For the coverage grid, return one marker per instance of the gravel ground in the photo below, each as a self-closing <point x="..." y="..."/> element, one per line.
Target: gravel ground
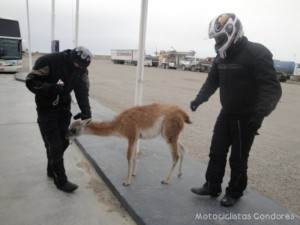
<point x="274" y="168"/>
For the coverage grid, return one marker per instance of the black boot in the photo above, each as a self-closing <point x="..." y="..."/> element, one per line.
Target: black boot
<point x="204" y="191"/>
<point x="67" y="187"/>
<point x="228" y="201"/>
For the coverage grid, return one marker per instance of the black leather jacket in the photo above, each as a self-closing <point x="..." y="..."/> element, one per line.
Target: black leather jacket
<point x="48" y="69"/>
<point x="246" y="78"/>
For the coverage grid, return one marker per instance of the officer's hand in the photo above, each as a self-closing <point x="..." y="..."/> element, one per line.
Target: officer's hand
<point x="194" y="105"/>
<point x="255" y="123"/>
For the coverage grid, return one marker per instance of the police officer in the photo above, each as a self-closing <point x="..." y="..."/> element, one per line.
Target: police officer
<point x="52" y="79"/>
<point x="249" y="91"/>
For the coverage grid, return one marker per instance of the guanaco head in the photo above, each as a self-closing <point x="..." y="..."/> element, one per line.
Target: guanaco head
<point x="77" y="128"/>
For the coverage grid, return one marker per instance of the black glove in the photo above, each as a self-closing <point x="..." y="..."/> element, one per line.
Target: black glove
<point x="81" y="116"/>
<point x="56" y="89"/>
<point x="255" y="123"/>
<point x="195" y="104"/>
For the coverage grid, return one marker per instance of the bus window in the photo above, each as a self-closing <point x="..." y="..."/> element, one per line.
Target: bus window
<point x="10" y="49"/>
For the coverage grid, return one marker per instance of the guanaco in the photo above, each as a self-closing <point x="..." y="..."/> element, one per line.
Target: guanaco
<point x="140" y="122"/>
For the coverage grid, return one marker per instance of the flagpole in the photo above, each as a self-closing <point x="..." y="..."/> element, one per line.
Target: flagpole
<point x="141" y="57"/>
<point x="29" y="40"/>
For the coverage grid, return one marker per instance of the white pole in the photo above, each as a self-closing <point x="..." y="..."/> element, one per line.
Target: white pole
<point x="53" y="21"/>
<point x="141" y="58"/>
<point x="76" y="24"/>
<point x="29" y="40"/>
<point x="141" y="54"/>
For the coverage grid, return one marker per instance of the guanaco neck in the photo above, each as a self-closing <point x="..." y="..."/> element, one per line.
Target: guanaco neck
<point x="104" y="128"/>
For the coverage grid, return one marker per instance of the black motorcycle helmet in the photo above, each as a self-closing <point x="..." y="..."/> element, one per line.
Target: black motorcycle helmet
<point x="227" y="31"/>
<point x="81" y="56"/>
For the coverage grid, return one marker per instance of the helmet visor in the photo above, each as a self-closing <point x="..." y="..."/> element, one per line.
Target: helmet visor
<point x="220" y="40"/>
<point x="77" y="65"/>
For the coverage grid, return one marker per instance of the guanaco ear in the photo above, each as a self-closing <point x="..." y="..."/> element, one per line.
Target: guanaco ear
<point x="86" y="122"/>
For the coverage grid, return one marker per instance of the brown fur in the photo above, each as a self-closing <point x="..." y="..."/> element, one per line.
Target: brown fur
<point x="144" y="122"/>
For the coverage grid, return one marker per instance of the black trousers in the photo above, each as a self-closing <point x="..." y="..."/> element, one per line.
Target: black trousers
<point x="53" y="127"/>
<point x="230" y="131"/>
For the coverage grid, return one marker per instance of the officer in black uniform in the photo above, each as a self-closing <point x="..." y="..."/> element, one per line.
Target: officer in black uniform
<point x="249" y="91"/>
<point x="52" y="79"/>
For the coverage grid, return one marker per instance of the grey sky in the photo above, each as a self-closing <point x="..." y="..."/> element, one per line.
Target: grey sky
<point x="181" y="24"/>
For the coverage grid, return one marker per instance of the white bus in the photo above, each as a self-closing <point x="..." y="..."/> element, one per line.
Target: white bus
<point x="10" y="46"/>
